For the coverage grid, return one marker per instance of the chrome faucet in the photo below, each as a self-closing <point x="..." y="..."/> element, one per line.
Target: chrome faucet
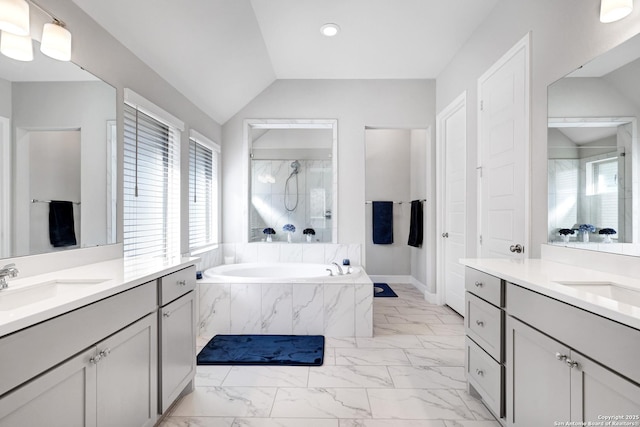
<point x="340" y="270"/>
<point x="8" y="270"/>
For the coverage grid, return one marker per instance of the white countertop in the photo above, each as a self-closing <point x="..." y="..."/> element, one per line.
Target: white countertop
<point x="115" y="276"/>
<point x="542" y="276"/>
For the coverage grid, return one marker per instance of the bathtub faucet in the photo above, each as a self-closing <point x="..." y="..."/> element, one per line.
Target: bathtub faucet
<point x="340" y="270"/>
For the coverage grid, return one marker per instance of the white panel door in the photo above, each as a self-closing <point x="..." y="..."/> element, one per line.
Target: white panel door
<point x="503" y="128"/>
<point x="452" y="141"/>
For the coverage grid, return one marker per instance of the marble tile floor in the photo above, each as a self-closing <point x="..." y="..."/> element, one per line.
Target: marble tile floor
<point x="410" y="374"/>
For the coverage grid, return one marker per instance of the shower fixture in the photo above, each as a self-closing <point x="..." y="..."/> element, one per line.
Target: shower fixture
<point x="295" y="165"/>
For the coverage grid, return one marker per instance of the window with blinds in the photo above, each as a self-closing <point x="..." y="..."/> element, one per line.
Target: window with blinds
<point x="151" y="186"/>
<point x="203" y="195"/>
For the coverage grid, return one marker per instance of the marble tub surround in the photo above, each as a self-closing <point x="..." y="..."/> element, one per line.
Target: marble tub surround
<point x="388" y="388"/>
<point x="107" y="278"/>
<point x="338" y="306"/>
<point x="544" y="276"/>
<point x="324" y="253"/>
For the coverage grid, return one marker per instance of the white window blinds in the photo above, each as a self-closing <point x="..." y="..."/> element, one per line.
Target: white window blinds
<point x="151" y="186"/>
<point x="203" y="193"/>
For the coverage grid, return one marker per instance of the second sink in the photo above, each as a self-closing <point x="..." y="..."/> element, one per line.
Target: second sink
<point x="608" y="290"/>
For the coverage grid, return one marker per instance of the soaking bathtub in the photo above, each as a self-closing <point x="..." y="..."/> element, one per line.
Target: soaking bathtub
<point x="285" y="298"/>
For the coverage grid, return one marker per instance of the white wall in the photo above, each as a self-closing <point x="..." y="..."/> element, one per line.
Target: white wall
<point x="423" y="187"/>
<point x="564" y="35"/>
<point x="356" y="104"/>
<point x="388" y="178"/>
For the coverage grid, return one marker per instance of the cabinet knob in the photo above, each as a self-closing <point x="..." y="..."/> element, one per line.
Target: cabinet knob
<point x="95" y="359"/>
<point x="104" y="353"/>
<point x="572" y="364"/>
<point x="480" y="323"/>
<point x="480" y="372"/>
<point x="445" y="235"/>
<point x="181" y="283"/>
<point x="516" y="248"/>
<point x="561" y="356"/>
<point x="166" y="314"/>
<point x="479" y="284"/>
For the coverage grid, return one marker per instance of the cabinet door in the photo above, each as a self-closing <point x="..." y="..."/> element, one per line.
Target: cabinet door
<point x="597" y="391"/>
<point x="177" y="348"/>
<point x="63" y="397"/>
<point x="538" y="379"/>
<point x="127" y="376"/>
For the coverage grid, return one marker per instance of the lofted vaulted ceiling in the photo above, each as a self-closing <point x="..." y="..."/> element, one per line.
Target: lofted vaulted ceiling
<point x="222" y="53"/>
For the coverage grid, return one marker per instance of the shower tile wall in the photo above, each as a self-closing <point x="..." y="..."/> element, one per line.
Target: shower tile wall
<point x="315" y="181"/>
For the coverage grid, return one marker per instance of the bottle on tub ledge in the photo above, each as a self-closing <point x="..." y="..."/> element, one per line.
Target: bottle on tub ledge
<point x="309" y="233"/>
<point x="269" y="232"/>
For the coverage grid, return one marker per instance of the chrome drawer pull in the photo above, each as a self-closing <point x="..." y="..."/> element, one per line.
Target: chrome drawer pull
<point x="480" y="323"/>
<point x="104" y="353"/>
<point x="561" y="357"/>
<point x="480" y="372"/>
<point x="181" y="283"/>
<point x="479" y="284"/>
<point x="95" y="359"/>
<point x="572" y="364"/>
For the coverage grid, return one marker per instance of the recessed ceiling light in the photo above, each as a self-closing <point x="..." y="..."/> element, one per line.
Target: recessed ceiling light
<point x="329" y="30"/>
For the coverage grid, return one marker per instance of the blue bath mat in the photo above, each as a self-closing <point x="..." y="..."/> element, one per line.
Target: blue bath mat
<point x="282" y="350"/>
<point x="385" y="292"/>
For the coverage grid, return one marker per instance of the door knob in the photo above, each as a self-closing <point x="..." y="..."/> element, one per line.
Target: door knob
<point x="445" y="235"/>
<point x="516" y="248"/>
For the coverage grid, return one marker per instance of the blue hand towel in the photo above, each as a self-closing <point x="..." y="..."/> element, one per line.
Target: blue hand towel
<point x="382" y="223"/>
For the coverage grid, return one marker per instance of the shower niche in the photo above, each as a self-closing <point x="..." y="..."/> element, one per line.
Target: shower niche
<point x="291" y="180"/>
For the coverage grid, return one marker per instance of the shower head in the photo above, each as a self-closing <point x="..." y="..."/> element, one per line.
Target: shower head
<point x="295" y="165"/>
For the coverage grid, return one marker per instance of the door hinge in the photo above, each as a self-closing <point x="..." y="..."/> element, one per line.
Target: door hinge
<point x="479" y="169"/>
<point x="481" y="239"/>
<point x="481" y="105"/>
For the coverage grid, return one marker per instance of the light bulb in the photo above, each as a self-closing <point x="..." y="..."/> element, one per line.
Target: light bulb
<point x="14" y="17"/>
<point x="16" y="47"/>
<point x="614" y="10"/>
<point x="56" y="42"/>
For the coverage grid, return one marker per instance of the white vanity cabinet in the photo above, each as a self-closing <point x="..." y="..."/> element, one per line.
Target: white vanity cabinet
<point x="119" y="361"/>
<point x="111" y="384"/>
<point x="177" y="323"/>
<point x="567" y="364"/>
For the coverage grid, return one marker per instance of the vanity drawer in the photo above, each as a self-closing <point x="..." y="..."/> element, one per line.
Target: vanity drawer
<point x="176" y="284"/>
<point x="486" y="376"/>
<point x="484" y="324"/>
<point x="486" y="286"/>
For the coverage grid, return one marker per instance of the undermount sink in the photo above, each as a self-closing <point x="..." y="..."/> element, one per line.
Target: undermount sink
<point x="11" y="299"/>
<point x="608" y="290"/>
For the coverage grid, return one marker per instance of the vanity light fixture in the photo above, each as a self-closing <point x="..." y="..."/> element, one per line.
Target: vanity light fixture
<point x="614" y="10"/>
<point x="16" y="47"/>
<point x="16" y="42"/>
<point x="14" y="17"/>
<point x="329" y="30"/>
<point x="56" y="41"/>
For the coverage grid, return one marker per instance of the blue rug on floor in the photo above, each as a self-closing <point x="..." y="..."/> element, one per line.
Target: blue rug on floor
<point x="385" y="292"/>
<point x="282" y="350"/>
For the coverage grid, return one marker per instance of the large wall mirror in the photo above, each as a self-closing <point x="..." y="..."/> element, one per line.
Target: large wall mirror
<point x="593" y="152"/>
<point x="291" y="180"/>
<point x="58" y="136"/>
